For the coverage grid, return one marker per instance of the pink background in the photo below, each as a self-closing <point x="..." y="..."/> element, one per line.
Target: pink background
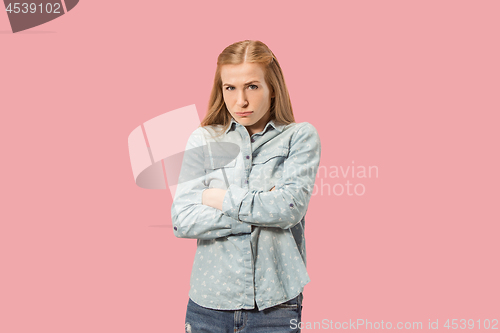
<point x="409" y="87"/>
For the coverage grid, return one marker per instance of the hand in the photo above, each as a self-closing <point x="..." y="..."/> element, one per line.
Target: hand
<point x="272" y="189"/>
<point x="213" y="197"/>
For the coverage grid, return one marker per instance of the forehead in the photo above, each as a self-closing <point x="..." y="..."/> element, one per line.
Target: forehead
<point x="242" y="73"/>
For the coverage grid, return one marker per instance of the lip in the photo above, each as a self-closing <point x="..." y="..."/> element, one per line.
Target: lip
<point x="244" y="113"/>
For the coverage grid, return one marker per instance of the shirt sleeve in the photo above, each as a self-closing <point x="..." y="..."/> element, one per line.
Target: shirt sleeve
<point x="190" y="218"/>
<point x="286" y="205"/>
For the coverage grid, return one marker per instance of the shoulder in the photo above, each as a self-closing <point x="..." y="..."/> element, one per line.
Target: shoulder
<point x="212" y="132"/>
<point x="201" y="135"/>
<point x="197" y="137"/>
<point x="305" y="137"/>
<point x="206" y="131"/>
<point x="302" y="129"/>
<point x="307" y="127"/>
<point x="196" y="133"/>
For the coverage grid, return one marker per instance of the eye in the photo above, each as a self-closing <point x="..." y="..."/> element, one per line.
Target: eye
<point x="229" y="88"/>
<point x="252" y="87"/>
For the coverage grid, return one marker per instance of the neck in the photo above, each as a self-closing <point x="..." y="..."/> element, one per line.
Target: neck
<point x="259" y="126"/>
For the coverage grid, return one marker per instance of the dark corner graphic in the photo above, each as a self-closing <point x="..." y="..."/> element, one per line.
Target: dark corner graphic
<point x="26" y="15"/>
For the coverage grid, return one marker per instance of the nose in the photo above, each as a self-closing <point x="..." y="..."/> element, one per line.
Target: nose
<point x="242" y="100"/>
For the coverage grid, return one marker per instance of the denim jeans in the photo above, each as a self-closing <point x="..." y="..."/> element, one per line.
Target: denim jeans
<point x="281" y="318"/>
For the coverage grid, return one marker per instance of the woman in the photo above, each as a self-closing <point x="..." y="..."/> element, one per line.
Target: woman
<point x="247" y="176"/>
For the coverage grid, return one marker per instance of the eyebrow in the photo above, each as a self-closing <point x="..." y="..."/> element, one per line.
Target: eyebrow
<point x="246" y="84"/>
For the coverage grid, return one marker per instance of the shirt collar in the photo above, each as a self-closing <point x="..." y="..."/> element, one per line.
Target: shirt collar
<point x="271" y="122"/>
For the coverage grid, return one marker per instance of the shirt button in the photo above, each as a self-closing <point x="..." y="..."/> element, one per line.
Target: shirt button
<point x="175" y="228"/>
<point x="246" y="181"/>
<point x="248" y="157"/>
<point x="253" y="140"/>
<point x="291" y="205"/>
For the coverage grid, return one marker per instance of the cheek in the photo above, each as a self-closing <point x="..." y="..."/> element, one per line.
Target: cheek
<point x="265" y="101"/>
<point x="262" y="98"/>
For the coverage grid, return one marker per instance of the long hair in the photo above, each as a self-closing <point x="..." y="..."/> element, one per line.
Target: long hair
<point x="252" y="51"/>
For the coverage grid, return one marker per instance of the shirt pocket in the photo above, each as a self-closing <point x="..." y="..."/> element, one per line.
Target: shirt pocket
<point x="275" y="155"/>
<point x="220" y="168"/>
<point x="220" y="154"/>
<point x="267" y="168"/>
<point x="211" y="165"/>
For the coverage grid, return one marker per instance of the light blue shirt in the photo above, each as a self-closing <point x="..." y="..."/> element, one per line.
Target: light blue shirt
<point x="253" y="251"/>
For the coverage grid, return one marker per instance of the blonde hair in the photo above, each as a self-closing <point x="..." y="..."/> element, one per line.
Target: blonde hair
<point x="252" y="51"/>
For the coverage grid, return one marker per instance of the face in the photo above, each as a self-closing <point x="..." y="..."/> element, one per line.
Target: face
<point x="246" y="95"/>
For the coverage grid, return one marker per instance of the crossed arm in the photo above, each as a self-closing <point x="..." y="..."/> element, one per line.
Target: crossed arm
<point x="204" y="213"/>
<point x="214" y="197"/>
